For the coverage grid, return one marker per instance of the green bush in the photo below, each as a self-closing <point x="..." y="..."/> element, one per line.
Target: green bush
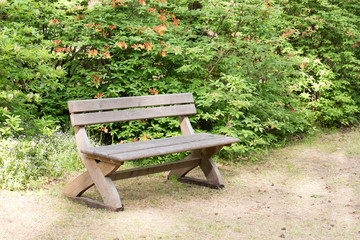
<point x="260" y="70"/>
<point x="26" y="163"/>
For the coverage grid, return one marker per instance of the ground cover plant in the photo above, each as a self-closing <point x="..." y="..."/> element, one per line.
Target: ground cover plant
<point x="263" y="71"/>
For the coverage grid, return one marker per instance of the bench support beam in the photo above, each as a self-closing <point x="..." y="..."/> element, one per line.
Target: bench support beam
<point x="211" y="172"/>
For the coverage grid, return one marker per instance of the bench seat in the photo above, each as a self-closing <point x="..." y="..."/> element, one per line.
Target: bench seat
<point x="157" y="147"/>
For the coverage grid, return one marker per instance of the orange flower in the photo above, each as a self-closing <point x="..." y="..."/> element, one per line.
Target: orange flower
<point x="105" y="34"/>
<point x="95" y="79"/>
<point x="100" y="95"/>
<point x="111" y="27"/>
<point x="162" y="53"/>
<point x="137" y="46"/>
<point x="53" y="21"/>
<point x="56" y="42"/>
<point x="175" y="22"/>
<point x="160" y="29"/>
<point x="142" y="2"/>
<point x="59" y="49"/>
<point x="106" y="55"/>
<point x="148" y="46"/>
<point x="303" y="65"/>
<point x="92" y="53"/>
<point x="162" y="18"/>
<point x="153" y="91"/>
<point x="121" y="45"/>
<point x="144" y="138"/>
<point x="104" y="129"/>
<point x="152" y="10"/>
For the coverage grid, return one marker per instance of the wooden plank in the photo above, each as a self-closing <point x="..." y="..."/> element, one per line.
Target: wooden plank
<point x="104" y="184"/>
<point x="83" y="182"/>
<point x="185" y="126"/>
<point x="181" y="172"/>
<point x="209" y="168"/>
<point x="210" y="141"/>
<point x="131" y="114"/>
<point x="142" y="145"/>
<point x="135" y="172"/>
<point x="128" y="102"/>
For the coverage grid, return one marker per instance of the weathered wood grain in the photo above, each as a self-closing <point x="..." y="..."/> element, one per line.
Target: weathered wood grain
<point x="160" y="147"/>
<point x="131" y="114"/>
<point x="83" y="182"/>
<point x="130" y="173"/>
<point x="128" y="102"/>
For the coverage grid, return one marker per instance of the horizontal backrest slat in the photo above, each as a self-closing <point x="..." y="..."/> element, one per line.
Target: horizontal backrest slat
<point x="131" y="114"/>
<point x="92" y="105"/>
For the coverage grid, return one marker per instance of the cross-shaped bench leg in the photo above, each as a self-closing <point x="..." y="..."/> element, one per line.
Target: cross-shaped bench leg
<point x="211" y="172"/>
<point x="96" y="174"/>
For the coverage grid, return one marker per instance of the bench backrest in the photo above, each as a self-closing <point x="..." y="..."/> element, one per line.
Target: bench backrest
<point x="107" y="110"/>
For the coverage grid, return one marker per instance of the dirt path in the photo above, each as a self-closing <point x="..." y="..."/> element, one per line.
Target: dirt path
<point x="307" y="191"/>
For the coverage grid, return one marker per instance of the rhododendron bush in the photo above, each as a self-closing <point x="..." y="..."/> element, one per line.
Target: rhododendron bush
<point x="260" y="70"/>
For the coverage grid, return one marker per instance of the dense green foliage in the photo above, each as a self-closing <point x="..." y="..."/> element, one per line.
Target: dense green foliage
<point x="260" y="70"/>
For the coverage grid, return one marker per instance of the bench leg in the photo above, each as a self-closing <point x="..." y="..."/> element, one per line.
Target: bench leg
<point x="96" y="174"/>
<point x="83" y="182"/>
<point x="211" y="172"/>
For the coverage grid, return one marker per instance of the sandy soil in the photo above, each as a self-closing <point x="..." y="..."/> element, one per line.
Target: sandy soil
<point x="309" y="190"/>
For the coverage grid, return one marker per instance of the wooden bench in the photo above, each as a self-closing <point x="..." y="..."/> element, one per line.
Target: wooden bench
<point x="102" y="162"/>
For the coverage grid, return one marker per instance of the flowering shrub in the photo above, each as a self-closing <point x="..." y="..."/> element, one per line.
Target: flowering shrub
<point x="260" y="70"/>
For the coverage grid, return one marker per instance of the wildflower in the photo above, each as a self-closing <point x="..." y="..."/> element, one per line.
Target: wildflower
<point x="151" y="10"/>
<point x="111" y="27"/>
<point x="16" y="48"/>
<point x="29" y="96"/>
<point x="36" y="97"/>
<point x="10" y="96"/>
<point x="59" y="49"/>
<point x="2" y="2"/>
